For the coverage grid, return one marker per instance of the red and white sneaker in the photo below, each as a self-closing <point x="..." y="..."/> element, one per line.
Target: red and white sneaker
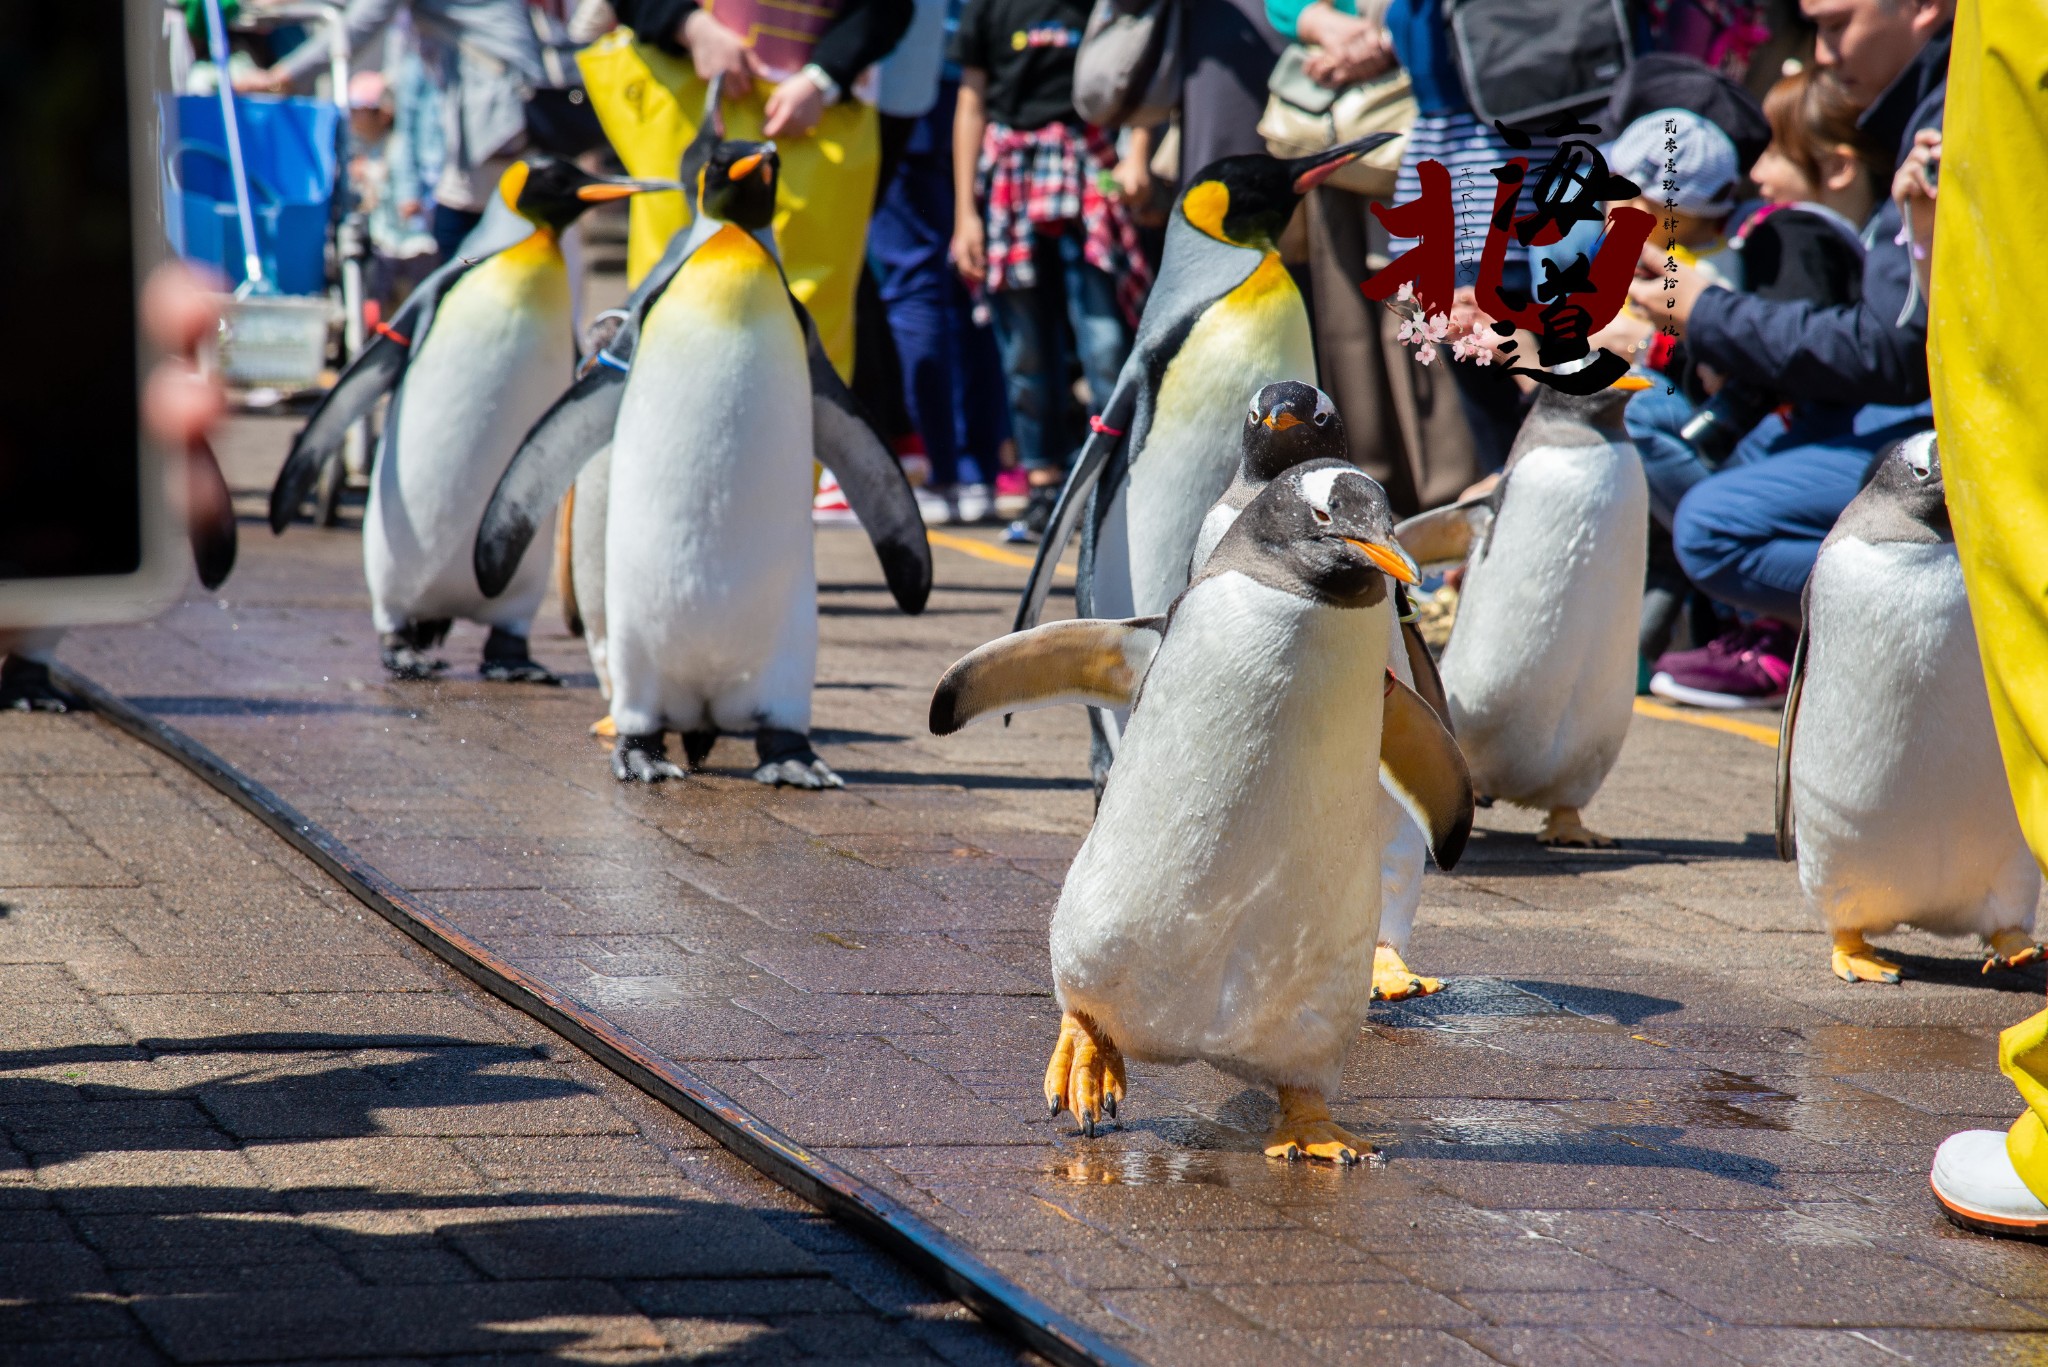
<point x="829" y="506"/>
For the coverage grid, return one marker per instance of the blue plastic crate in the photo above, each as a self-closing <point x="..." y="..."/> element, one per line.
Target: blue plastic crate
<point x="288" y="147"/>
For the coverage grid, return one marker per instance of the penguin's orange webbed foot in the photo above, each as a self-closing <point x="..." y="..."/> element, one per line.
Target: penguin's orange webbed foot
<point x="1856" y="962"/>
<point x="604" y="728"/>
<point x="1306" y="1129"/>
<point x="1393" y="980"/>
<point x="2012" y="947"/>
<point x="1086" y="1074"/>
<point x="1564" y="828"/>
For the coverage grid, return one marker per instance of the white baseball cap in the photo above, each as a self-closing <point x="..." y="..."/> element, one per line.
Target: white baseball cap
<point x="1680" y="159"/>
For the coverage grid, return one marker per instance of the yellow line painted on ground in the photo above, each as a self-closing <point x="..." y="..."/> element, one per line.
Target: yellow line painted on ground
<point x="982" y="550"/>
<point x="1748" y="730"/>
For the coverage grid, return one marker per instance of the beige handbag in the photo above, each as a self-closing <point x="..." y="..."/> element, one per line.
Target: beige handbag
<point x="1303" y="117"/>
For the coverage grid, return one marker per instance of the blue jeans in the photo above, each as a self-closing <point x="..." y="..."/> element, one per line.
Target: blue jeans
<point x="1748" y="534"/>
<point x="952" y="377"/>
<point x="1672" y="466"/>
<point x="1031" y="331"/>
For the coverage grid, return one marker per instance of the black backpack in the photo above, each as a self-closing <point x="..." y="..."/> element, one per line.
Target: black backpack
<point x="1522" y="61"/>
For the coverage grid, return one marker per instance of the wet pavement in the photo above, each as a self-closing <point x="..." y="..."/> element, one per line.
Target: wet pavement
<point x="243" y="1121"/>
<point x="1643" y="1123"/>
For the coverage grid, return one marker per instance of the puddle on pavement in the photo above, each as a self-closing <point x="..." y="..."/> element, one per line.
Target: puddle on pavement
<point x="1134" y="1168"/>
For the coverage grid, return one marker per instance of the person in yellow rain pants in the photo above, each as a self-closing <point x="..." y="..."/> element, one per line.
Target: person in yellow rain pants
<point x="790" y="70"/>
<point x="1990" y="388"/>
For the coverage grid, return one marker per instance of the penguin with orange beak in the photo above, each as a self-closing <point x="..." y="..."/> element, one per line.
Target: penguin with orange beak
<point x="1540" y="672"/>
<point x="1223" y="320"/>
<point x="1226" y="904"/>
<point x="470" y="361"/>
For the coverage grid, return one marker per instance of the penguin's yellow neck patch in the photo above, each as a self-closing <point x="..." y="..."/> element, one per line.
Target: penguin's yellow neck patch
<point x="537" y="248"/>
<point x="1205" y="205"/>
<point x="1270" y="278"/>
<point x="512" y="184"/>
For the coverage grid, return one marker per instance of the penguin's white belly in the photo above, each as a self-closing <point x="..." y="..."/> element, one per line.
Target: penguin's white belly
<point x="586" y="558"/>
<point x="710" y="594"/>
<point x="1541" y="667"/>
<point x="1899" y="795"/>
<point x="1225" y="904"/>
<point x="1256" y="334"/>
<point x="497" y="354"/>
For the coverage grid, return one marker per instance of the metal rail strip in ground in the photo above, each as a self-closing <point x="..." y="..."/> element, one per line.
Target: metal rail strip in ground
<point x="886" y="1222"/>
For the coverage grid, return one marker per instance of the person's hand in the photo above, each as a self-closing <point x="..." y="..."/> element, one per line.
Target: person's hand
<point x="180" y="405"/>
<point x="794" y="108"/>
<point x="1627" y="335"/>
<point x="1914" y="189"/>
<point x="1665" y="307"/>
<point x="970" y="249"/>
<point x="1134" y="179"/>
<point x="408" y="210"/>
<point x="1348" y="49"/>
<point x="716" y="50"/>
<point x="266" y="81"/>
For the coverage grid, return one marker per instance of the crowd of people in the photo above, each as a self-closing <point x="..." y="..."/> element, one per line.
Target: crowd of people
<point x="986" y="310"/>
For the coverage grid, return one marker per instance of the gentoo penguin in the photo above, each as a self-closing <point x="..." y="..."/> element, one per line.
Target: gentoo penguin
<point x="1225" y="904"/>
<point x="1540" y="671"/>
<point x="715" y="398"/>
<point x="1223" y="319"/>
<point x="1891" y="791"/>
<point x="1289" y="423"/>
<point x="473" y="358"/>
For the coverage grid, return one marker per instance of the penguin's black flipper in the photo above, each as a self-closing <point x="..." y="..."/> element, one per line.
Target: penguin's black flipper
<point x="375" y="369"/>
<point x="1425" y="771"/>
<point x="873" y="481"/>
<point x="1090" y="661"/>
<point x="1788" y="725"/>
<point x="210" y="516"/>
<point x="1428" y="681"/>
<point x="542" y="469"/>
<point x="1111" y="429"/>
<point x="378" y="367"/>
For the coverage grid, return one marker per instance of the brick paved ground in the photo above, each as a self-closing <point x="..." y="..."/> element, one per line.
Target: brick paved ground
<point x="241" y="1120"/>
<point x="1643" y="1124"/>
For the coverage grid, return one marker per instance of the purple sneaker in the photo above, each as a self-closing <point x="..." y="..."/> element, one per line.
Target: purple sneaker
<point x="1747" y="667"/>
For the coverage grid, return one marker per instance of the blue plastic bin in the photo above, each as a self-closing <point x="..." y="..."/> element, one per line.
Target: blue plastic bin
<point x="288" y="147"/>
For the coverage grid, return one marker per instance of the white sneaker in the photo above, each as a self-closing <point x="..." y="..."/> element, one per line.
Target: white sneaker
<point x="972" y="503"/>
<point x="1975" y="1182"/>
<point x="933" y="506"/>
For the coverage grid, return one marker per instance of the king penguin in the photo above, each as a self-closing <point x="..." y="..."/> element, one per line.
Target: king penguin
<point x="1291" y="423"/>
<point x="1223" y="319"/>
<point x="1225" y="904"/>
<point x="471" y="360"/>
<point x="1892" y="795"/>
<point x="711" y="403"/>
<point x="1540" y="672"/>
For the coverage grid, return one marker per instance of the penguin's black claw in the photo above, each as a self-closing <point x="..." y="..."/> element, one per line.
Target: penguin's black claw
<point x="794" y="773"/>
<point x="787" y="760"/>
<point x="519" y="671"/>
<point x="1109" y="1105"/>
<point x="697" y="748"/>
<point x="25" y="687"/>
<point x="410" y="662"/>
<point x="643" y="759"/>
<point x="507" y="659"/>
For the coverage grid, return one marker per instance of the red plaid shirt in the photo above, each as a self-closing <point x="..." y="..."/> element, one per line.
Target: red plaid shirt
<point x="1048" y="175"/>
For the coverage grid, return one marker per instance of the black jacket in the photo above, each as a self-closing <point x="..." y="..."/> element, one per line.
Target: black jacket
<point x="861" y="34"/>
<point x="1853" y="353"/>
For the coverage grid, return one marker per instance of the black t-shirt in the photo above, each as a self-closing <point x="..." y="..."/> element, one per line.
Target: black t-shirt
<point x="1027" y="49"/>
